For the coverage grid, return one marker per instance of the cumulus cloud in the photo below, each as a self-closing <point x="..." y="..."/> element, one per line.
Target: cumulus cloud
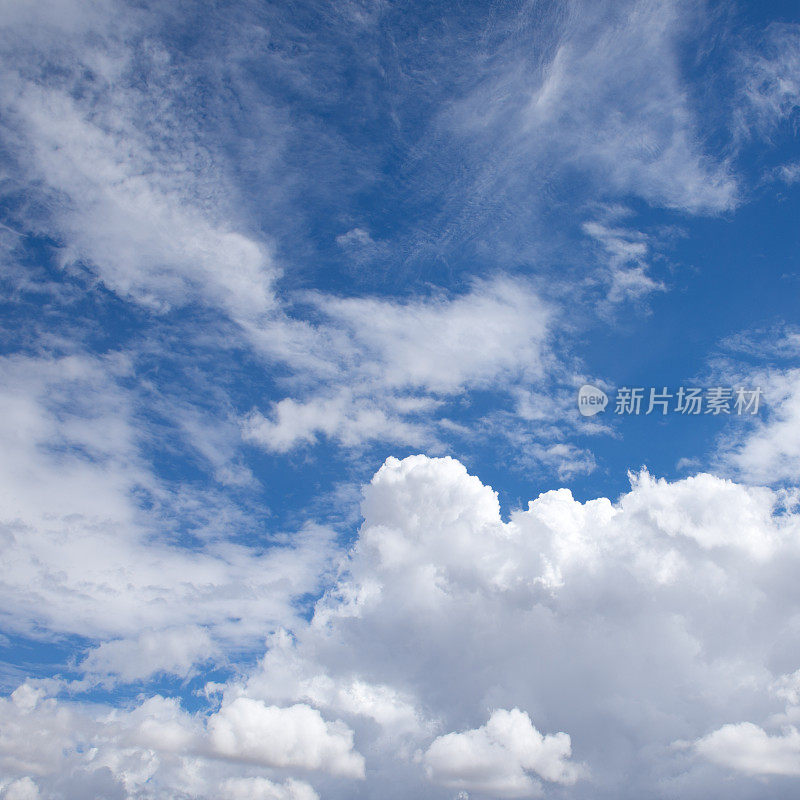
<point x="296" y="736"/>
<point x="496" y="759"/>
<point x="628" y="625"/>
<point x="747" y="748"/>
<point x="620" y="597"/>
<point x="287" y="673"/>
<point x="156" y="749"/>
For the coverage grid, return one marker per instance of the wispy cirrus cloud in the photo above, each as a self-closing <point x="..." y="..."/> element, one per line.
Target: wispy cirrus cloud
<point x="769" y="82"/>
<point x="95" y="540"/>
<point x="602" y="96"/>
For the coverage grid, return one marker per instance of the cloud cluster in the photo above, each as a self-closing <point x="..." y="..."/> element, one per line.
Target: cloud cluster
<point x="130" y="177"/>
<point x="157" y="750"/>
<point x="617" y="649"/>
<point x="132" y="193"/>
<point x="296" y="736"/>
<point x="496" y="758"/>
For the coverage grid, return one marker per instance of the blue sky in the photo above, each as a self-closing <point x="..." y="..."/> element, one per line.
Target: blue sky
<point x="296" y="501"/>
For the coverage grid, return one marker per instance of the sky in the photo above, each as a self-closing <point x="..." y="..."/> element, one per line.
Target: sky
<point x="297" y="500"/>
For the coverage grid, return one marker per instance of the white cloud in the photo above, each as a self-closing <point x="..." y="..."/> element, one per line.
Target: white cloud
<point x="626" y="252"/>
<point x="286" y="675"/>
<point x="496" y="759"/>
<point x="127" y="213"/>
<point x="708" y="510"/>
<point x="355" y="237"/>
<point x="789" y="173"/>
<point x="344" y="417"/>
<point x="747" y="748"/>
<point x="769" y="77"/>
<point x="296" y="736"/>
<point x="174" y="651"/>
<point x="82" y="554"/>
<point x="496" y="329"/>
<point x="598" y="612"/>
<point x="787" y="687"/>
<point x="21" y="789"/>
<point x="156" y="749"/>
<point x="602" y="92"/>
<point x="768" y="451"/>
<point x="361" y="248"/>
<point x="762" y="447"/>
<point x="629" y="625"/>
<point x="397" y="360"/>
<point x="613" y="92"/>
<point x="263" y="789"/>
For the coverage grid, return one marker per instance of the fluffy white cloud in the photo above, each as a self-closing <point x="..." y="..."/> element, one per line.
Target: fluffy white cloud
<point x="630" y="626"/>
<point x="594" y="617"/>
<point x="296" y="736"/>
<point x="286" y="674"/>
<point x="496" y="759"/>
<point x="747" y="748"/>
<point x="155" y="749"/>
